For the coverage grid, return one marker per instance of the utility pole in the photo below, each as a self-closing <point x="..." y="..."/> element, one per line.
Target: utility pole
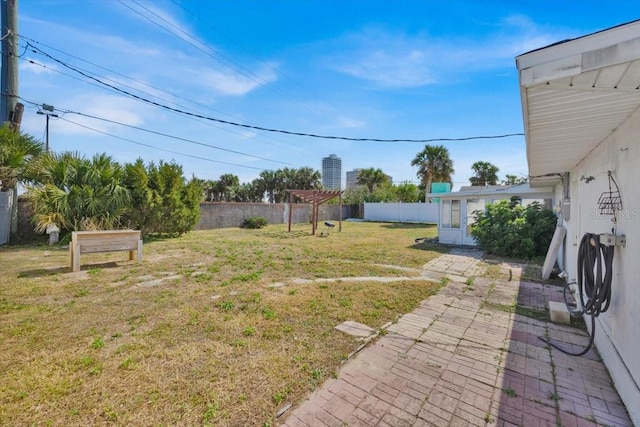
<point x="10" y="111"/>
<point x="9" y="72"/>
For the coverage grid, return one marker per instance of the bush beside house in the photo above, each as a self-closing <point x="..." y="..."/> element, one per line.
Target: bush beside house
<point x="507" y="229"/>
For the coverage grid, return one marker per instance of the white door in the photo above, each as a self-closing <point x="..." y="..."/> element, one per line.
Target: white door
<point x="472" y="205"/>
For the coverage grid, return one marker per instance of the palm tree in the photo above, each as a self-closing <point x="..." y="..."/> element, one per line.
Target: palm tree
<point x="78" y="194"/>
<point x="256" y="193"/>
<point x="267" y="183"/>
<point x="249" y="193"/>
<point x="284" y="178"/>
<point x="227" y="187"/>
<point x="371" y="178"/>
<point x="17" y="151"/>
<point x="434" y="165"/>
<point x="514" y="180"/>
<point x="408" y="192"/>
<point x="307" y="178"/>
<point x="484" y="173"/>
<point x="207" y="188"/>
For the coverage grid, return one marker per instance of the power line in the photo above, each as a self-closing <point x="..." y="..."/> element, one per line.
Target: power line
<point x="213" y="28"/>
<point x="227" y="61"/>
<point x="157" y="148"/>
<point x="33" y="104"/>
<point x="93" y="83"/>
<point x="194" y="15"/>
<point x="260" y="128"/>
<point x="234" y="66"/>
<point x="30" y="40"/>
<point x="166" y="135"/>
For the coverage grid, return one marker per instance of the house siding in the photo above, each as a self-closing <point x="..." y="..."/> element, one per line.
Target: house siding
<point x="617" y="333"/>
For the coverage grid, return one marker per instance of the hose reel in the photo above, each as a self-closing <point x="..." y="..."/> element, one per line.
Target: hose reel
<point x="595" y="274"/>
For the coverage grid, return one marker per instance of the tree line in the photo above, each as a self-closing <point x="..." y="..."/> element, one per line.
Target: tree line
<point x="77" y="193"/>
<point x="373" y="185"/>
<point x="270" y="186"/>
<point x="435" y="165"/>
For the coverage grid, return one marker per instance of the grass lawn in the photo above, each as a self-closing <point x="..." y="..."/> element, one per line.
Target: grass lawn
<point x="214" y="342"/>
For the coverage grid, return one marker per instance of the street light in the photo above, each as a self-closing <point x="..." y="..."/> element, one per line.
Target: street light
<point x="48" y="112"/>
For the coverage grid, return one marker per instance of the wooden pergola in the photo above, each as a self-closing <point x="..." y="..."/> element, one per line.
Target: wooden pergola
<point x="316" y="198"/>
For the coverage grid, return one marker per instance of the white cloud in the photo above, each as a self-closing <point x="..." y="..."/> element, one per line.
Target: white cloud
<point x="391" y="69"/>
<point x="123" y="46"/>
<point x="111" y="107"/>
<point x="162" y="20"/>
<point x="116" y="108"/>
<point x="401" y="60"/>
<point x="155" y="57"/>
<point x="350" y="123"/>
<point x="168" y="19"/>
<point x="32" y="65"/>
<point x="92" y="39"/>
<point x="390" y="60"/>
<point x="225" y="79"/>
<point x="143" y="87"/>
<point x="233" y="83"/>
<point x="248" y="134"/>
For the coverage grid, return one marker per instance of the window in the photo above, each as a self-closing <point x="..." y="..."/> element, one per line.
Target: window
<point x="446" y="213"/>
<point x="450" y="214"/>
<point x="455" y="214"/>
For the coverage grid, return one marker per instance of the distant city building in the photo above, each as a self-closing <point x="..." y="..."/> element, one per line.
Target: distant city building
<point x="332" y="172"/>
<point x="352" y="178"/>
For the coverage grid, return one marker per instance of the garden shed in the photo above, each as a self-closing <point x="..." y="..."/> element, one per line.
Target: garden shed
<point x="457" y="208"/>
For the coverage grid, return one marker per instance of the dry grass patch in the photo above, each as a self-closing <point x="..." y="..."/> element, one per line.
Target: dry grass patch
<point x="115" y="345"/>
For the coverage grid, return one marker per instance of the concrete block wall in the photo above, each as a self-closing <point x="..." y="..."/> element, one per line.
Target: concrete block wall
<point x="226" y="215"/>
<point x="222" y="215"/>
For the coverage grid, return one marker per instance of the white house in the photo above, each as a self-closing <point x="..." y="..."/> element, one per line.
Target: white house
<point x="457" y="208"/>
<point x="581" y="109"/>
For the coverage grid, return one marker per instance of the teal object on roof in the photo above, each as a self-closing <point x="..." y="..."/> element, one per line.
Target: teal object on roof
<point x="439" y="187"/>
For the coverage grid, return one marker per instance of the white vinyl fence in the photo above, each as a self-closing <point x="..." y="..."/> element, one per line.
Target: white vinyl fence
<point x="402" y="212"/>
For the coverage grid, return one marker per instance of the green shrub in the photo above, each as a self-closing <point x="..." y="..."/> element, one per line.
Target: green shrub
<point x="255" y="222"/>
<point x="508" y="229"/>
<point x="163" y="201"/>
<point x="77" y="193"/>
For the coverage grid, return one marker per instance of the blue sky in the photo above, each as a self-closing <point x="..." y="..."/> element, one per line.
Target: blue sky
<point x="358" y="69"/>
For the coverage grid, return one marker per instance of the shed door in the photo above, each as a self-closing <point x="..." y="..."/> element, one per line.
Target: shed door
<point x="472" y="206"/>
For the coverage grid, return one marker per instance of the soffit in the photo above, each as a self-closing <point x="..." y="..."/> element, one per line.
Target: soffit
<point x="574" y="102"/>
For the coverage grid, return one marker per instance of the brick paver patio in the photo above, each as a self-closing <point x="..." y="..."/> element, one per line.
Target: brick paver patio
<point x="465" y="357"/>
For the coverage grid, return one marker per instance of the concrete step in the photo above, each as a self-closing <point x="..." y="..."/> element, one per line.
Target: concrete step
<point x="559" y="313"/>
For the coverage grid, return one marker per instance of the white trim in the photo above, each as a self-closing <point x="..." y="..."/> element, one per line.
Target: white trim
<point x="574" y="65"/>
<point x="504" y="192"/>
<point x="588" y="43"/>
